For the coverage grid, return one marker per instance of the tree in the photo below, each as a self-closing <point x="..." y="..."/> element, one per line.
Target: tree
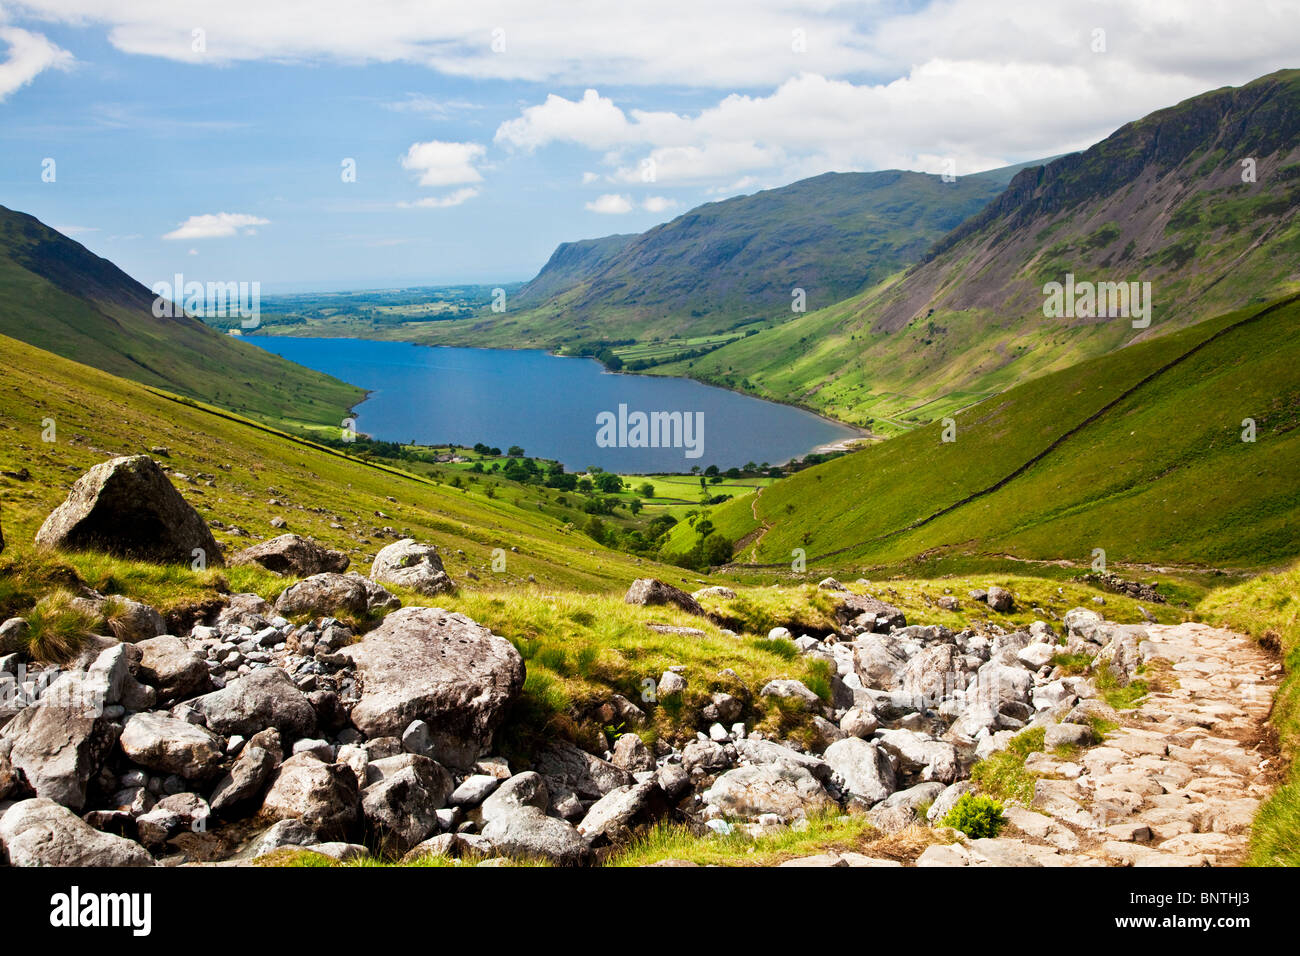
<point x="609" y="483"/>
<point x="634" y="506"/>
<point x="715" y="550"/>
<point x="514" y="451"/>
<point x="647" y="490"/>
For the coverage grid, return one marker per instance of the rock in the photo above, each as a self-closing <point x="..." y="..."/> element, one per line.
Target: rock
<point x="526" y="789"/>
<point x="565" y="766"/>
<point x="174" y="669"/>
<point x="948" y="799"/>
<point x="58" y="749"/>
<point x="630" y="754"/>
<point x="705" y="755"/>
<point x="611" y="818"/>
<point x="877" y="662"/>
<point x="409" y="564"/>
<point x="673" y="780"/>
<point x="792" y="690"/>
<point x="246" y="779"/>
<point x="132" y="621"/>
<point x="931" y="675"/>
<point x="284" y="833"/>
<point x="1036" y="655"/>
<point x="261" y="699"/>
<point x="127" y="507"/>
<point x="723" y="708"/>
<point x="1067" y="735"/>
<point x="863" y="767"/>
<point x="669" y="684"/>
<point x="324" y="796"/>
<point x="761" y="752"/>
<point x="931" y="760"/>
<point x="401" y="806"/>
<point x="1000" y="599"/>
<point x="531" y="834"/>
<point x="650" y="591"/>
<point x="294" y="556"/>
<point x="786" y="790"/>
<point x="883" y="616"/>
<point x="417" y="738"/>
<point x="717" y="591"/>
<point x="1082" y="624"/>
<point x="888" y="819"/>
<point x="474" y="789"/>
<point x="830" y="584"/>
<point x="172" y="815"/>
<point x="913" y="798"/>
<point x="432" y="665"/>
<point x="779" y="634"/>
<point x="948" y="603"/>
<point x="13" y="635"/>
<point x="859" y="722"/>
<point x="166" y="745"/>
<point x="332" y="593"/>
<point x="39" y="832"/>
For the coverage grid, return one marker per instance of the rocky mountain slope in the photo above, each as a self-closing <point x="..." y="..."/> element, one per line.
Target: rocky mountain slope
<point x="57" y="295"/>
<point x="1200" y="200"/>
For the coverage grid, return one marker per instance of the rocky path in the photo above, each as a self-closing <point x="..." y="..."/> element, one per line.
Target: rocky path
<point x="1177" y="784"/>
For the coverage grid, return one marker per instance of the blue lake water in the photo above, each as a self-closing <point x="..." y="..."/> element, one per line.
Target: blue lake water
<point x="550" y="405"/>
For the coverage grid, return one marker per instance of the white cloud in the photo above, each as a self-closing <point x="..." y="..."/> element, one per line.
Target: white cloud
<point x="444" y="164"/>
<point x="658" y="203"/>
<point x="589" y="178"/>
<point x="30" y="54"/>
<point x="610" y="204"/>
<point x="442" y="202"/>
<point x="218" y="225"/>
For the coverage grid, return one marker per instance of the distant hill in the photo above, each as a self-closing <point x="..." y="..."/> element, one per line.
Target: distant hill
<point x="1139" y="453"/>
<point x="734" y="264"/>
<point x="57" y="295"/>
<point x="1162" y="200"/>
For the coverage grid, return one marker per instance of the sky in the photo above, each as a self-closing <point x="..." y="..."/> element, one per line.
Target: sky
<point x="348" y="144"/>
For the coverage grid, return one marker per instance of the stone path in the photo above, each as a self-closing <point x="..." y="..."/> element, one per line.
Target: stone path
<point x="1177" y="784"/>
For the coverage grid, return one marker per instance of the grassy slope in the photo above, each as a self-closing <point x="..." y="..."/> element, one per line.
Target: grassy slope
<point x="60" y="297"/>
<point x="1161" y="476"/>
<point x="99" y="416"/>
<point x="733" y="263"/>
<point x="1268" y="608"/>
<point x="1161" y="200"/>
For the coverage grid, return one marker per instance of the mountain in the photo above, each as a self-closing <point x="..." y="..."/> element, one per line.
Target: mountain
<point x="1144" y="453"/>
<point x="57" y="295"/>
<point x="1162" y="200"/>
<point x="730" y="266"/>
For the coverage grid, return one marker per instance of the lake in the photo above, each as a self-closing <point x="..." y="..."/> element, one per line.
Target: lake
<point x="568" y="409"/>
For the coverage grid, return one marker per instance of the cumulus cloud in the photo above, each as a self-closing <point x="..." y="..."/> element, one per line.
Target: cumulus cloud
<point x="658" y="203"/>
<point x="610" y="204"/>
<point x="444" y="164"/>
<point x="218" y="225"/>
<point x="29" y="55"/>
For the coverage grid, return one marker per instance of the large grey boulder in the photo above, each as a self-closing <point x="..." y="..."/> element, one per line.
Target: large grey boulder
<point x="759" y="752"/>
<point x="132" y="621"/>
<point x="863" y="768"/>
<point x="786" y="790"/>
<point x="409" y="564"/>
<point x="529" y="833"/>
<point x="526" y="789"/>
<point x="167" y="745"/>
<point x="59" y="748"/>
<point x="612" y="817"/>
<point x="174" y="668"/>
<point x="264" y="698"/>
<point x="433" y="665"/>
<point x="324" y="796"/>
<point x="566" y="767"/>
<point x="918" y="755"/>
<point x="402" y="800"/>
<point x="878" y="663"/>
<point x="330" y="593"/>
<point x="249" y="774"/>
<point x="39" y="832"/>
<point x="128" y="507"/>
<point x="652" y="592"/>
<point x="868" y="612"/>
<point x="294" y="555"/>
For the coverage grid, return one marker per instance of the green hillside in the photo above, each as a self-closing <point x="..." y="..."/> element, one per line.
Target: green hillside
<point x="731" y="266"/>
<point x="243" y="475"/>
<point x="59" y="296"/>
<point x="1139" y="453"/>
<point x="1162" y="200"/>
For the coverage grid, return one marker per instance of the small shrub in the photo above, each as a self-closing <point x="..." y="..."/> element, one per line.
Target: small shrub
<point x="782" y="648"/>
<point x="977" y="817"/>
<point x="57" y="628"/>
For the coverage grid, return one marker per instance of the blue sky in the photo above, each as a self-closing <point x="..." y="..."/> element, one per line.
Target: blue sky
<point x="478" y="151"/>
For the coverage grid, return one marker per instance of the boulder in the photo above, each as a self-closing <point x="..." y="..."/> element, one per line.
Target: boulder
<point x="473" y="790"/>
<point x="400" y="803"/>
<point x="1000" y="599"/>
<point x="529" y="833"/>
<point x="293" y="555"/>
<point x="166" y="745"/>
<point x="58" y="749"/>
<point x="932" y="676"/>
<point x="786" y="790"/>
<point x="526" y="789"/>
<point x="409" y="564"/>
<point x="332" y="593"/>
<point x="246" y="778"/>
<point x="611" y="818"/>
<point x="132" y="621"/>
<point x="883" y="616"/>
<point x="919" y="756"/>
<point x="769" y="752"/>
<point x="172" y="815"/>
<point x="324" y="796"/>
<point x="433" y="665"/>
<point x="127" y="507"/>
<point x="948" y="799"/>
<point x="173" y="668"/>
<point x="39" y="832"/>
<point x="651" y="591"/>
<point x="631" y="754"/>
<point x="566" y="767"/>
<point x="864" y="769"/>
<point x="792" y="690"/>
<point x="877" y="662"/>
<point x="264" y="698"/>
